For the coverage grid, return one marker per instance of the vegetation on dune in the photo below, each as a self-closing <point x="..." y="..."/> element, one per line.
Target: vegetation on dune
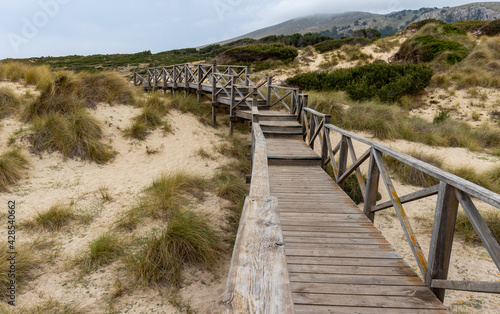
<point x="464" y="228"/>
<point x="409" y="175"/>
<point x="76" y="134"/>
<point x="13" y="167"/>
<point x="154" y="110"/>
<point x="54" y="219"/>
<point x="382" y="81"/>
<point x="9" y="102"/>
<point x="188" y="239"/>
<point x="190" y="104"/>
<point x="334" y="44"/>
<point x="491" y="28"/>
<point x="101" y="251"/>
<point x="261" y="55"/>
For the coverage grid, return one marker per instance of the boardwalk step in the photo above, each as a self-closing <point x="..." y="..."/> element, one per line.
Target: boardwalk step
<point x="293" y="161"/>
<point x="292" y="130"/>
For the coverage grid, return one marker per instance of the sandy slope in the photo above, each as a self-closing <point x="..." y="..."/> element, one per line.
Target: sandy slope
<point x="55" y="180"/>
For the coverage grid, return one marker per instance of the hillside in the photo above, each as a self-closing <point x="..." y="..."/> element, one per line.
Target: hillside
<point x="337" y="25"/>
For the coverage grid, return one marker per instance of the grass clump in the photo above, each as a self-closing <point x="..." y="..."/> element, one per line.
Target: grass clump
<point x="334" y="44"/>
<point x="464" y="228"/>
<point x="191" y="105"/>
<point x="27" y="260"/>
<point x="54" y="219"/>
<point x="409" y="175"/>
<point x="188" y="239"/>
<point x="427" y="48"/>
<point x="163" y="198"/>
<point x="40" y="76"/>
<point x="101" y="251"/>
<point x="230" y="186"/>
<point x="107" y="87"/>
<point x="13" y="167"/>
<point x="9" y="102"/>
<point x="76" y="134"/>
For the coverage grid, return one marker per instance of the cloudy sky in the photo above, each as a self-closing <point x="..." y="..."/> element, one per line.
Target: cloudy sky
<point x="31" y="28"/>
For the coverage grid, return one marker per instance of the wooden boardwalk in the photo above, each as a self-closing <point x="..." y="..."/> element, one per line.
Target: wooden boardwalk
<point x="338" y="262"/>
<point x="302" y="244"/>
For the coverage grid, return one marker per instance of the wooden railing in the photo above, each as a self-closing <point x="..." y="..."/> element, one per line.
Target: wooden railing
<point x="452" y="191"/>
<point x="258" y="278"/>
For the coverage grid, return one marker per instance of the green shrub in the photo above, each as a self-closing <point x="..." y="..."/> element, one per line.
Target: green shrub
<point x="369" y="33"/>
<point x="383" y="81"/>
<point x="188" y="239"/>
<point x="427" y="48"/>
<point x="334" y="44"/>
<point x="9" y="102"/>
<point x="259" y="53"/>
<point x="76" y="134"/>
<point x="13" y="167"/>
<point x="442" y="116"/>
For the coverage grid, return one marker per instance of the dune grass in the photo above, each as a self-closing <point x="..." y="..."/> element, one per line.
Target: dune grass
<point x="464" y="228"/>
<point x="100" y="252"/>
<point x="154" y="110"/>
<point x="55" y="218"/>
<point x="9" y="102"/>
<point x="202" y="111"/>
<point x="27" y="260"/>
<point x="13" y="167"/>
<point x="229" y="185"/>
<point x="163" y="198"/>
<point x="188" y="239"/>
<point x="76" y="135"/>
<point x="409" y="175"/>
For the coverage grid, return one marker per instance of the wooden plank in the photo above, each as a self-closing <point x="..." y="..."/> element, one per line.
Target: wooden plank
<point x="258" y="278"/>
<point x="315" y="234"/>
<point x="319" y="223"/>
<point x="357" y="279"/>
<point x="352" y="270"/>
<point x="331" y="229"/>
<point x="473" y="286"/>
<point x="325" y="217"/>
<point x="346" y="261"/>
<point x="341" y="253"/>
<point x="424" y="302"/>
<point x="369" y="241"/>
<point x="358" y="249"/>
<point x="353" y="290"/>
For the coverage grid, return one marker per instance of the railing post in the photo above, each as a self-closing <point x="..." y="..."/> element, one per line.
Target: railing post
<point x="371" y="187"/>
<point x="303" y="115"/>
<point x="232" y="105"/>
<point x="344" y="149"/>
<point x="200" y="77"/>
<point x="442" y="237"/>
<point x="324" y="146"/>
<point x="312" y="130"/>
<point x="269" y="88"/>
<point x="186" y="81"/>
<point x="215" y="103"/>
<point x="174" y="78"/>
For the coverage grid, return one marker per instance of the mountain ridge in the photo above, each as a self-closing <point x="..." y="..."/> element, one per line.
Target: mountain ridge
<point x="342" y="24"/>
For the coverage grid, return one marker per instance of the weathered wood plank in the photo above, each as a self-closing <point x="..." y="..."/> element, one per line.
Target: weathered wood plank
<point x="341" y="253"/>
<point x="357" y="279"/>
<point x="346" y="261"/>
<point x="352" y="270"/>
<point x="320" y="309"/>
<point x="258" y="280"/>
<point x="423" y="302"/>
<point x="354" y="290"/>
<point x="260" y="170"/>
<point x="474" y="286"/>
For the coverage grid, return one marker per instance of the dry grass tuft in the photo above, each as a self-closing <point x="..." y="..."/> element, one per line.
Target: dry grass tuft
<point x="188" y="239"/>
<point x="101" y="251"/>
<point x="9" y="102"/>
<point x="54" y="219"/>
<point x="410" y="175"/>
<point x="13" y="167"/>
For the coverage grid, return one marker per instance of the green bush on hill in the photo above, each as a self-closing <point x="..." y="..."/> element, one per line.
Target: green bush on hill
<point x="369" y="33"/>
<point x="259" y="52"/>
<point x="427" y="48"/>
<point x="334" y="44"/>
<point x="491" y="29"/>
<point x="416" y="26"/>
<point x="383" y="81"/>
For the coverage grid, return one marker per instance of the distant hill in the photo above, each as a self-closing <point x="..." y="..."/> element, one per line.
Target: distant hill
<point x="337" y="25"/>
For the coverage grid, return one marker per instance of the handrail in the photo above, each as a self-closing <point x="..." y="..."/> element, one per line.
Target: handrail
<point x="258" y="280"/>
